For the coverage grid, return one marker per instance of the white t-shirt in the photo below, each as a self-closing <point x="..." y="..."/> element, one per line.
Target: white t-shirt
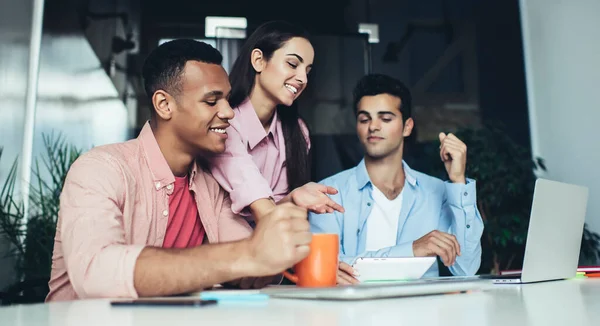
<point x="382" y="223"/>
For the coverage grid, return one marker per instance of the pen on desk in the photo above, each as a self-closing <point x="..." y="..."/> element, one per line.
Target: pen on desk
<point x="234" y="297"/>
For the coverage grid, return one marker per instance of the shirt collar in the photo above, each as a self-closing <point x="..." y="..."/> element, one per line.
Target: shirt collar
<point x="410" y="174"/>
<point x="275" y="129"/>
<point x="161" y="172"/>
<point x="363" y="179"/>
<point x="253" y="128"/>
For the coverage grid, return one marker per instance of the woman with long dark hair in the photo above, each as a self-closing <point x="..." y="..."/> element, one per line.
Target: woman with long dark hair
<point x="267" y="160"/>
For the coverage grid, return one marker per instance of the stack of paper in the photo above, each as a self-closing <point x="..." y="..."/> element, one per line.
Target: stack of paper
<point x="588" y="271"/>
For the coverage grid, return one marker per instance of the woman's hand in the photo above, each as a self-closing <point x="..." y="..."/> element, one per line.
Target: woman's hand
<point x="313" y="197"/>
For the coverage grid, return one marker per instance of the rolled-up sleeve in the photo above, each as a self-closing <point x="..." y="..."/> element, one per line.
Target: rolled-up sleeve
<point x="232" y="227"/>
<point x="237" y="173"/>
<point x="99" y="262"/>
<point x="466" y="225"/>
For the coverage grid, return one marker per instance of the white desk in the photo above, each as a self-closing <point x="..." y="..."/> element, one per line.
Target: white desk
<point x="571" y="303"/>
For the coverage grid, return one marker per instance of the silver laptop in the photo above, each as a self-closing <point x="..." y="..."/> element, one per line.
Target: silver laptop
<point x="379" y="291"/>
<point x="554" y="234"/>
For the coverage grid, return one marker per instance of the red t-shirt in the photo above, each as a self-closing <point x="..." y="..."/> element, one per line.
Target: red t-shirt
<point x="184" y="228"/>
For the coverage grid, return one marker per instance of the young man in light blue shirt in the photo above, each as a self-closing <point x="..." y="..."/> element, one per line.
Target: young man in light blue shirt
<point x="392" y="210"/>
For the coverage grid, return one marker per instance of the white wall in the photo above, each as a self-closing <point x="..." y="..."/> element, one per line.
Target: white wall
<point x="15" y="32"/>
<point x="562" y="61"/>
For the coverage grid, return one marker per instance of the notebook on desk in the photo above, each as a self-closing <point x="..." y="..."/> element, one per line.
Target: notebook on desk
<point x="554" y="234"/>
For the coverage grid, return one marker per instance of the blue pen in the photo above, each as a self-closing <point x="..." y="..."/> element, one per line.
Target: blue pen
<point x="250" y="297"/>
<point x="234" y="296"/>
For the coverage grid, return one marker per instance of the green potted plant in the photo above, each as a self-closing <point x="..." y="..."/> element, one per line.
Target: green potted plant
<point x="32" y="246"/>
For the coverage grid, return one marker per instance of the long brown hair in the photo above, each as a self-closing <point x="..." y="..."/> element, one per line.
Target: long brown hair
<point x="268" y="38"/>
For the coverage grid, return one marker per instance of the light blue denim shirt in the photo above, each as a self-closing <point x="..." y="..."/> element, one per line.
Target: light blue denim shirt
<point x="428" y="204"/>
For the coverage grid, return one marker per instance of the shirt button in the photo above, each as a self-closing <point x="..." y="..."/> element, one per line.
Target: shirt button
<point x="170" y="186"/>
<point x="465" y="193"/>
<point x="468" y="226"/>
<point x="368" y="204"/>
<point x="157" y="185"/>
<point x="165" y="213"/>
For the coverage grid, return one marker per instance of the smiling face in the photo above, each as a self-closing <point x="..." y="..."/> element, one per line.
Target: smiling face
<point x="379" y="125"/>
<point x="284" y="76"/>
<point x="198" y="114"/>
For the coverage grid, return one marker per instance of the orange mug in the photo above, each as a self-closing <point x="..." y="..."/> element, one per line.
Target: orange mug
<point x="319" y="268"/>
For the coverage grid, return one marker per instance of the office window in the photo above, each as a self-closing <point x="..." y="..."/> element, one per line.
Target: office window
<point x="371" y="29"/>
<point x="225" y="27"/>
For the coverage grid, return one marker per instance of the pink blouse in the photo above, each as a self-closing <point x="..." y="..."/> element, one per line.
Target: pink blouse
<point x="253" y="164"/>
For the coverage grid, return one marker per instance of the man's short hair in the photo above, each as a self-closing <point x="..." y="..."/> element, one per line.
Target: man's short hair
<point x="375" y="84"/>
<point x="164" y="66"/>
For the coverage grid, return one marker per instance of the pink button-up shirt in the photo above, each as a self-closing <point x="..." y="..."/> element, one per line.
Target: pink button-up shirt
<point x="115" y="202"/>
<point x="253" y="165"/>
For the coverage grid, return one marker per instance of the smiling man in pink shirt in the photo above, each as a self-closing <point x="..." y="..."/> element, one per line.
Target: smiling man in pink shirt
<point x="143" y="218"/>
